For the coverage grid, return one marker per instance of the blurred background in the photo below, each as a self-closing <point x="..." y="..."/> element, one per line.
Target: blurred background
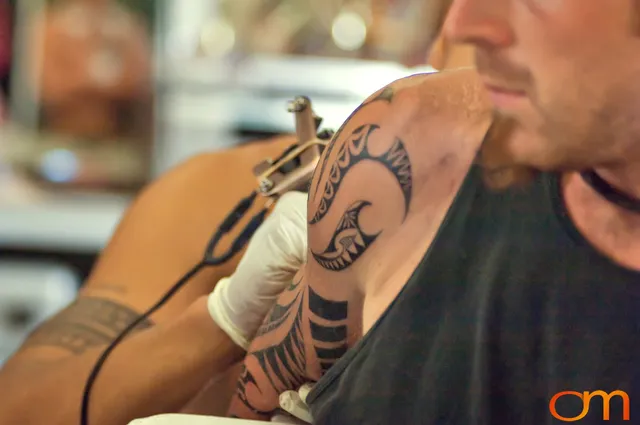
<point x="97" y="97"/>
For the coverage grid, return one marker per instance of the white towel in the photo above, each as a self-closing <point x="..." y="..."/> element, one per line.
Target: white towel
<point x="182" y="419"/>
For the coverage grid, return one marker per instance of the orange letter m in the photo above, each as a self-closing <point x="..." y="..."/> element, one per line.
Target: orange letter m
<point x="586" y="402"/>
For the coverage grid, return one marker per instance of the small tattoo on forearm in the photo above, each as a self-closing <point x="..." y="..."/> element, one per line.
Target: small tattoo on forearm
<point x="87" y="323"/>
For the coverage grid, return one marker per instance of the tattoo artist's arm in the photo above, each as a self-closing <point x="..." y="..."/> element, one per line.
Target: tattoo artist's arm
<point x="156" y="370"/>
<point x="139" y="264"/>
<point x="315" y="322"/>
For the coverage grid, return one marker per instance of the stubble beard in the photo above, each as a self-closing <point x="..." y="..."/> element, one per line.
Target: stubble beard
<point x="500" y="170"/>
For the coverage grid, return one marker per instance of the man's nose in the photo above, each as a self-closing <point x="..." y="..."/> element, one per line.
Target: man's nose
<point x="483" y="23"/>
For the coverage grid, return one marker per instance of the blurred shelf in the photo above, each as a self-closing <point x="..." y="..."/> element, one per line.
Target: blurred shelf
<point x="203" y="104"/>
<point x="315" y="75"/>
<point x="60" y="223"/>
<point x="30" y="293"/>
<point x="254" y="92"/>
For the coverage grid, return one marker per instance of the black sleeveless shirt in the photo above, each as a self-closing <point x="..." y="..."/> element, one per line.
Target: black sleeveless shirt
<point x="509" y="307"/>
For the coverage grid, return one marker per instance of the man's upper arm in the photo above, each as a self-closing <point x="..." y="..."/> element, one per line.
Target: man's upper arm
<point x="361" y="189"/>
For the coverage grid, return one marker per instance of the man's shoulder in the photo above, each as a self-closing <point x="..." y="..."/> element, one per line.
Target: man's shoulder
<point x="421" y="131"/>
<point x="416" y="127"/>
<point x="390" y="170"/>
<point x="452" y="100"/>
<point x="435" y="114"/>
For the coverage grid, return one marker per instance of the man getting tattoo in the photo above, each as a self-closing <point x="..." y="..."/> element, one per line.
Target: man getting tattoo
<point x="468" y="305"/>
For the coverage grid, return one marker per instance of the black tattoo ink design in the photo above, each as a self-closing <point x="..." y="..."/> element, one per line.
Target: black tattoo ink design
<point x="294" y="284"/>
<point x="246" y="378"/>
<point x="354" y="151"/>
<point x="328" y="334"/>
<point x="279" y="313"/>
<point x="333" y="311"/>
<point x="87" y="323"/>
<point x="348" y="242"/>
<point x="285" y="363"/>
<point x="386" y="95"/>
<point x="329" y="341"/>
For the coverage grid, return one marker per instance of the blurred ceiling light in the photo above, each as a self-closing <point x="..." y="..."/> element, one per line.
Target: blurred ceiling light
<point x="349" y="31"/>
<point x="217" y="38"/>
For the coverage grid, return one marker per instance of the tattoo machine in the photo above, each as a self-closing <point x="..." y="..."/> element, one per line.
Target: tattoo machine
<point x="291" y="171"/>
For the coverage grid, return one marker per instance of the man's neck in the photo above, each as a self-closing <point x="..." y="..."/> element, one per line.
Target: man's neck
<point x="613" y="230"/>
<point x="625" y="178"/>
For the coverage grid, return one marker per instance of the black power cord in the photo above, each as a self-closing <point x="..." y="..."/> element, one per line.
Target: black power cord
<point x="610" y="193"/>
<point x="209" y="259"/>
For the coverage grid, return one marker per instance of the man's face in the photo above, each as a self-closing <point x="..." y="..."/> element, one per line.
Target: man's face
<point x="566" y="71"/>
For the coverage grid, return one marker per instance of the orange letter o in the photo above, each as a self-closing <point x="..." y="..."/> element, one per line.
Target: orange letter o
<point x="554" y="412"/>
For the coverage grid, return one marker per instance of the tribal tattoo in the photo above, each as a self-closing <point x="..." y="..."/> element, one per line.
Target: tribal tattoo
<point x="386" y="95"/>
<point x="87" y="323"/>
<point x="355" y="150"/>
<point x="280" y="313"/>
<point x="349" y="241"/>
<point x="285" y="363"/>
<point x="329" y="335"/>
<point x="307" y="334"/>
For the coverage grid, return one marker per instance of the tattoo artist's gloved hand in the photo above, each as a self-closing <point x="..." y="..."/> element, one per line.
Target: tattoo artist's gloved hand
<point x="278" y="249"/>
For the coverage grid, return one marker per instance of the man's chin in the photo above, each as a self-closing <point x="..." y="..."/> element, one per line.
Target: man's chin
<point x="503" y="166"/>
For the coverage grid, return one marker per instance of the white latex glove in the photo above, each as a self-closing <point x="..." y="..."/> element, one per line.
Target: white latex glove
<point x="277" y="250"/>
<point x="295" y="404"/>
